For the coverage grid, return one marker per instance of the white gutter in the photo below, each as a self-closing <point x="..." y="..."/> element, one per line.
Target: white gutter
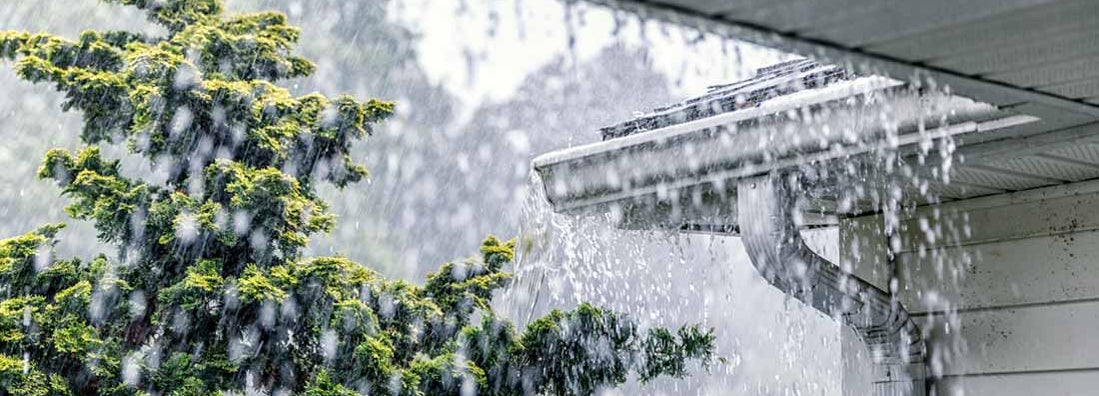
<point x="860" y="86"/>
<point x="810" y="126"/>
<point x="720" y="175"/>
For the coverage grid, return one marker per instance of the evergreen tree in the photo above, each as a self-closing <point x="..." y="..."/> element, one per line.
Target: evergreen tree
<point x="209" y="292"/>
<point x="359" y="48"/>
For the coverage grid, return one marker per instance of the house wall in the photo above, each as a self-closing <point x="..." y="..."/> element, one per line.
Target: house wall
<point x="1005" y="289"/>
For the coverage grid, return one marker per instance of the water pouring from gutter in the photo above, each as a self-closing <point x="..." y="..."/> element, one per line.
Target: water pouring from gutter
<point x="766" y="158"/>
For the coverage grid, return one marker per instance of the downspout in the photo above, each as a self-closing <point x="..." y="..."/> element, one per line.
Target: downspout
<point x="766" y="207"/>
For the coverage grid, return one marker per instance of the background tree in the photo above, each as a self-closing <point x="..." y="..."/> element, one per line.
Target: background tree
<point x="361" y="51"/>
<point x="560" y="105"/>
<point x="30" y="122"/>
<point x="210" y="291"/>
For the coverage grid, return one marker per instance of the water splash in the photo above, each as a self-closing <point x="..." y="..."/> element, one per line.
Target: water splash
<point x="770" y="344"/>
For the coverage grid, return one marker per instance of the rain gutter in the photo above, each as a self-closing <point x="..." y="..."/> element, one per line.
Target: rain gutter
<point x="663" y="177"/>
<point x="712" y="150"/>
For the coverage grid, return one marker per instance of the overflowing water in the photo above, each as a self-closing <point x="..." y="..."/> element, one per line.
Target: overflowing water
<point x="667" y="277"/>
<point x="768" y="343"/>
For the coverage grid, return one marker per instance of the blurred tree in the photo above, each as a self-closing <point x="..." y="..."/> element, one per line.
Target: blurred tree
<point x="560" y="105"/>
<point x="210" y="292"/>
<point x="436" y="181"/>
<point x="359" y="50"/>
<point x="30" y="122"/>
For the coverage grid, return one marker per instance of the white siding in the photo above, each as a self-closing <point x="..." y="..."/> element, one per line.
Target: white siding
<point x="1008" y="297"/>
<point x="1028" y="384"/>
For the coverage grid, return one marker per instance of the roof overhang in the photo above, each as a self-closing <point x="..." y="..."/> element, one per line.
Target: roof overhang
<point x="682" y="175"/>
<point x="1033" y="56"/>
<point x="1042" y="130"/>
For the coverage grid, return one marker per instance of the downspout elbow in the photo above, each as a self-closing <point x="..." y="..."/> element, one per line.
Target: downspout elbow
<point x="765" y="211"/>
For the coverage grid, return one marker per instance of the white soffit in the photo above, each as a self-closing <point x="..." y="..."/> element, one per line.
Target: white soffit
<point x="1039" y="57"/>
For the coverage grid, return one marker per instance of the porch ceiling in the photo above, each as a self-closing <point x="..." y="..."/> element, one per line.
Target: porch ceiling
<point x="1039" y="57"/>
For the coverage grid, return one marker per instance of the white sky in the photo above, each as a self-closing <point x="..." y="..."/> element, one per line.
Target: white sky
<point x="507" y="39"/>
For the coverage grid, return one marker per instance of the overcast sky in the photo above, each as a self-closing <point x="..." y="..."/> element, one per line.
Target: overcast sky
<point x="506" y="39"/>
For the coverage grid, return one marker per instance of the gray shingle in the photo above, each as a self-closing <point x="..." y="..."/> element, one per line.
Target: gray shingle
<point x="768" y="83"/>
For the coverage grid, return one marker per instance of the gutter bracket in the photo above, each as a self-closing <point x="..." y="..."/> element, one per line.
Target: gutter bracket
<point x="767" y="215"/>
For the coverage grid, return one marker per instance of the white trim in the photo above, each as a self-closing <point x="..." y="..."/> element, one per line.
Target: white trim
<point x="825" y="155"/>
<point x="1007" y="199"/>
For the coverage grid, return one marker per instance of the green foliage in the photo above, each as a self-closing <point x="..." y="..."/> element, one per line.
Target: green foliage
<point x="210" y="293"/>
